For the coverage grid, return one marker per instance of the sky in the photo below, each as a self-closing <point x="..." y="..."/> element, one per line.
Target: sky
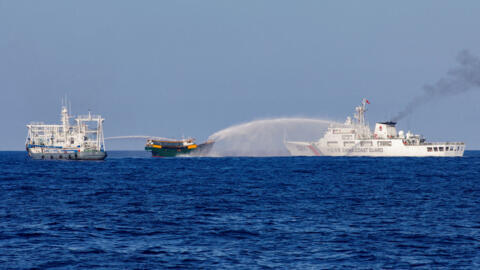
<point x="191" y="68"/>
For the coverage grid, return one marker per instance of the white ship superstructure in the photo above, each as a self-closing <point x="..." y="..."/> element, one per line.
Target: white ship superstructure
<point x="81" y="141"/>
<point x="354" y="138"/>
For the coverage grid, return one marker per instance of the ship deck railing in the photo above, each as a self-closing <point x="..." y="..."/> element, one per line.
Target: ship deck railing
<point x="442" y="143"/>
<point x="93" y="117"/>
<point x="41" y="125"/>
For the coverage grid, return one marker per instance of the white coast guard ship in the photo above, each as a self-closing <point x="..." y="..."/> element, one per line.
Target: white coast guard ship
<point x="82" y="141"/>
<point x="354" y="138"/>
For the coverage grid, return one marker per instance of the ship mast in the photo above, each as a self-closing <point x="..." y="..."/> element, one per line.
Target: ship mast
<point x="65" y="121"/>
<point x="360" y="115"/>
<point x="363" y="131"/>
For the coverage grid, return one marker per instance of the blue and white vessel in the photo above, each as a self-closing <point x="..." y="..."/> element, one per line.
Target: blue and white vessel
<point x="80" y="141"/>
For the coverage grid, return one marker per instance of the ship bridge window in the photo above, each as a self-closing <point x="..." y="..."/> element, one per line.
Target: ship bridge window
<point x="440" y="148"/>
<point x="347" y="137"/>
<point x="332" y="143"/>
<point x="446" y="148"/>
<point x="435" y="149"/>
<point x="429" y="149"/>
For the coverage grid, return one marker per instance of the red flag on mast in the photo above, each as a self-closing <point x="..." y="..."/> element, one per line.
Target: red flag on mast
<point x="368" y="102"/>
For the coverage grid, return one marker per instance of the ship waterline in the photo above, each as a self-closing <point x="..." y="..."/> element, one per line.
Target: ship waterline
<point x="68" y="154"/>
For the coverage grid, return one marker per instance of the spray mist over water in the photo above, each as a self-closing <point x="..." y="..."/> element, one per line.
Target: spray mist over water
<point x="459" y="80"/>
<point x="265" y="137"/>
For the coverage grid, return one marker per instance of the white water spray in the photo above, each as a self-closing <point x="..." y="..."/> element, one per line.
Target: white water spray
<point x="265" y="137"/>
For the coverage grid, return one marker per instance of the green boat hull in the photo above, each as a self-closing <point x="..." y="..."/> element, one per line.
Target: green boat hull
<point x="201" y="150"/>
<point x="168" y="152"/>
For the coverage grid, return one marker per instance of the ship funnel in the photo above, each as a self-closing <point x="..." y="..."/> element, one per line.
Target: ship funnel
<point x="385" y="130"/>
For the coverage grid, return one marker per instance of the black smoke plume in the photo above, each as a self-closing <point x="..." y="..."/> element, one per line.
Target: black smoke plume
<point x="459" y="80"/>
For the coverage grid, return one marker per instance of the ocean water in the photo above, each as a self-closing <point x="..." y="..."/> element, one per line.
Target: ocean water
<point x="133" y="211"/>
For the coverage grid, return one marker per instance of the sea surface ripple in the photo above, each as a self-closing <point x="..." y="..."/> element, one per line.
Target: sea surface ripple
<point x="134" y="211"/>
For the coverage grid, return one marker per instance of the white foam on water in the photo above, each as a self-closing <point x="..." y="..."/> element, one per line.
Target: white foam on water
<point x="266" y="137"/>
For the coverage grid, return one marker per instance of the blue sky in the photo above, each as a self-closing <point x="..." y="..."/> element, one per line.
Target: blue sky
<point x="173" y="68"/>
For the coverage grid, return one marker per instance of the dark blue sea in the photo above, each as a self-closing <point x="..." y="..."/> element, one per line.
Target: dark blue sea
<point x="132" y="211"/>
